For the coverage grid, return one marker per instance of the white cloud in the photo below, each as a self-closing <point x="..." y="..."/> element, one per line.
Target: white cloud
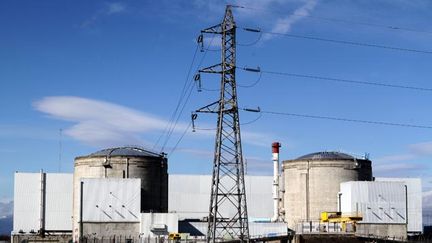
<point x="258" y="166"/>
<point x="212" y="43"/>
<point x="421" y="148"/>
<point x="427" y="200"/>
<point x="114" y="8"/>
<point x="405" y="163"/>
<point x="6" y="209"/>
<point x="199" y="153"/>
<point x="100" y="123"/>
<point x="284" y="25"/>
<point x="391" y="168"/>
<point x="103" y="124"/>
<point x="414" y="151"/>
<point x="395" y="158"/>
<point x="257" y="139"/>
<point x="253" y="165"/>
<point x="107" y="10"/>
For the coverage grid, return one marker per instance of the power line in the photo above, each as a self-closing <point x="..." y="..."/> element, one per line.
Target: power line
<point x="344" y="42"/>
<point x="389" y="27"/>
<point x="346" y="119"/>
<point x="241" y="124"/>
<point x="179" y="140"/>
<point x="341" y="80"/>
<point x="253" y="42"/>
<point x="182" y="94"/>
<point x="252" y="84"/>
<point x="190" y="88"/>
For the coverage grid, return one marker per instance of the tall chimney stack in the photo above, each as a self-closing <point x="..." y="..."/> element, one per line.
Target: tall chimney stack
<point x="275" y="153"/>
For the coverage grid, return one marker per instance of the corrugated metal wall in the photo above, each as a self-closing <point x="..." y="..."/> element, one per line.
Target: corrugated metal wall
<point x="27" y="202"/>
<point x="189" y="196"/>
<point x="58" y="201"/>
<point x="415" y="208"/>
<point x="377" y="202"/>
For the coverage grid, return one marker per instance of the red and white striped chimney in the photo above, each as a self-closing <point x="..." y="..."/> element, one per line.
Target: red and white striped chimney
<point x="275" y="153"/>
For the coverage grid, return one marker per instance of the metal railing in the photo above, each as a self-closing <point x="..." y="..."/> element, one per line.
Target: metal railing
<point x="317" y="227"/>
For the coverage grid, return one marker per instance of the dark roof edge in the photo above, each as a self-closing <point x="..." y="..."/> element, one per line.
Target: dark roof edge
<point x="125" y="151"/>
<point x="328" y="155"/>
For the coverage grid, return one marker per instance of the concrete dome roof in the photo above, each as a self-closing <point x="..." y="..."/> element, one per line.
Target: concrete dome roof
<point x="326" y="156"/>
<point x="124" y="151"/>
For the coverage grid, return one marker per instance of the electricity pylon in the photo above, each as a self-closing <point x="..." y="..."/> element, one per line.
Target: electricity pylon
<point x="228" y="218"/>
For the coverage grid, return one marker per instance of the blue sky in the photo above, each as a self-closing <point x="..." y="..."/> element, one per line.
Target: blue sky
<point x="110" y="73"/>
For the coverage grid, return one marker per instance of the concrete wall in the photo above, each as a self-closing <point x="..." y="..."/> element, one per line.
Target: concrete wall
<point x="255" y="229"/>
<point x="312" y="186"/>
<point x="60" y="238"/>
<point x="148" y="220"/>
<point x="383" y="231"/>
<point x="107" y="230"/>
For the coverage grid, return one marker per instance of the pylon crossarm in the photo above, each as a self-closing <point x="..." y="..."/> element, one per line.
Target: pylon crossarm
<point x="217" y="29"/>
<point x="211" y="108"/>
<point x="217" y="68"/>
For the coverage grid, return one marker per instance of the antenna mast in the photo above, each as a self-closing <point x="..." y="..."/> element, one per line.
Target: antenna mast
<point x="228" y="218"/>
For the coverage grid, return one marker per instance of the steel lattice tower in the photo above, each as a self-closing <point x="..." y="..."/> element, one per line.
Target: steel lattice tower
<point x="228" y="218"/>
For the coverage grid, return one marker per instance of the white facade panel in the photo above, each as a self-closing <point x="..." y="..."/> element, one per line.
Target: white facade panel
<point x="28" y="193"/>
<point x="377" y="202"/>
<point x="415" y="208"/>
<point x="58" y="201"/>
<point x="27" y="201"/>
<point x="111" y="200"/>
<point x="151" y="221"/>
<point x="189" y="196"/>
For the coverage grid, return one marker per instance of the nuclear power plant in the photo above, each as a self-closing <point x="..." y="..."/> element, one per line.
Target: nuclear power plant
<point x="125" y="194"/>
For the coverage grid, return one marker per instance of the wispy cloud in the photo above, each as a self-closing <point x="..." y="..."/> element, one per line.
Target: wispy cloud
<point x="253" y="165"/>
<point x="115" y="8"/>
<point x="284" y="25"/>
<point x="395" y="158"/>
<point x="391" y="168"/>
<point x="107" y="10"/>
<point x="257" y="139"/>
<point x="260" y="12"/>
<point x="405" y="163"/>
<point x="258" y="166"/>
<point x="421" y="148"/>
<point x="100" y="123"/>
<point x="6" y="208"/>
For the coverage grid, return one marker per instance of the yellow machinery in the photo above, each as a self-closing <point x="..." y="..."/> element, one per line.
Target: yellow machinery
<point x="337" y="217"/>
<point x="174" y="236"/>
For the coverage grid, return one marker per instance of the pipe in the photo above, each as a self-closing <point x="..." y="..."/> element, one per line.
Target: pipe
<point x="81" y="228"/>
<point x="275" y="153"/>
<point x="42" y="204"/>
<point x="307" y="192"/>
<point x="406" y="205"/>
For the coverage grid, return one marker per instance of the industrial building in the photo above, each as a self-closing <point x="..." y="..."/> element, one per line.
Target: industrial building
<point x="126" y="194"/>
<point x="151" y="192"/>
<point x="42" y="206"/>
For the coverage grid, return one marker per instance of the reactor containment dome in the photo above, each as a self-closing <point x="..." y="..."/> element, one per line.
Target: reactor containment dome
<point x="125" y="162"/>
<point x="312" y="183"/>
